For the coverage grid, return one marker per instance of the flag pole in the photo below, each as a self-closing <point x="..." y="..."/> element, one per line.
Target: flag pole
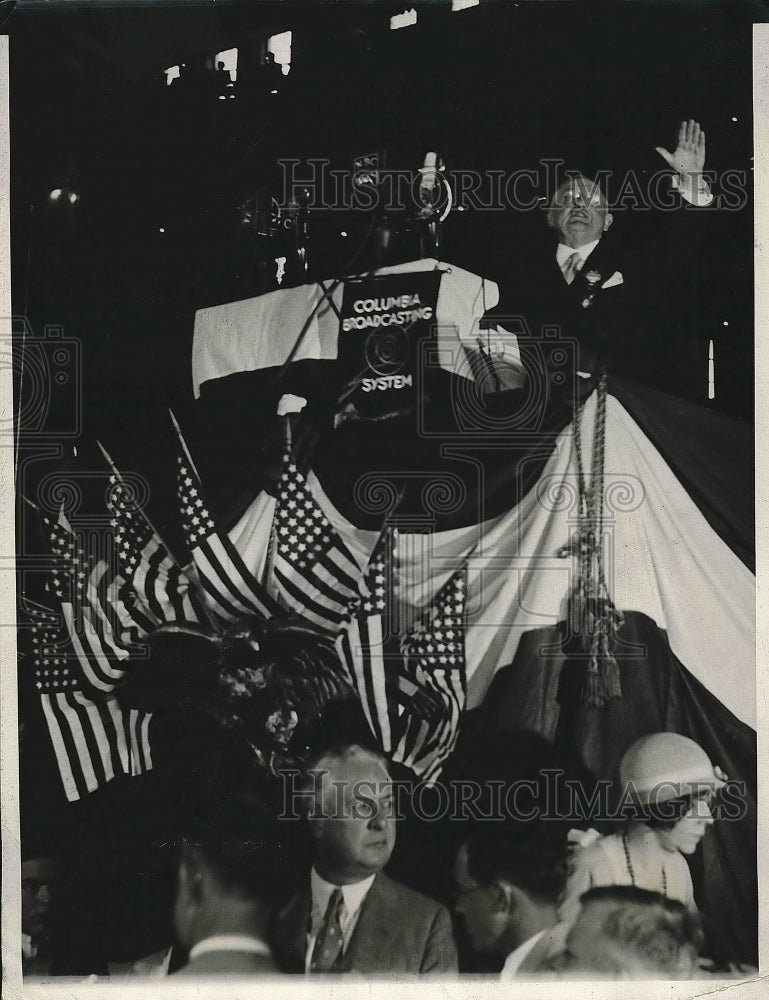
<point x="269" y="559"/>
<point x="117" y="473"/>
<point x="198" y="604"/>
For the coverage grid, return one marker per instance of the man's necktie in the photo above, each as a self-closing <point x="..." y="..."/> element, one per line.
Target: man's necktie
<point x="329" y="942"/>
<point x="571" y="267"/>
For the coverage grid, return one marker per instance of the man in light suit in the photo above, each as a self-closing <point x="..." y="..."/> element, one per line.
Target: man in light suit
<point x="349" y="916"/>
<point x="508" y="882"/>
<point x="232" y="867"/>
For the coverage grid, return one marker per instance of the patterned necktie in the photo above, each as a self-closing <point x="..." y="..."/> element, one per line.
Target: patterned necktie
<point x="571" y="267"/>
<point x="329" y="942"/>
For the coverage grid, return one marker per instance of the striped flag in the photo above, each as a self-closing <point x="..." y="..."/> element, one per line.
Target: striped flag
<point x="314" y="571"/>
<point x="412" y="690"/>
<point x="94" y="739"/>
<point x="366" y="643"/>
<point x="433" y="683"/>
<point x="103" y="622"/>
<point x="164" y="590"/>
<point x="230" y="589"/>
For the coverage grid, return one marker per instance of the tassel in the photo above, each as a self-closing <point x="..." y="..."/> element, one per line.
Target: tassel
<point x="593" y="695"/>
<point x="611" y="677"/>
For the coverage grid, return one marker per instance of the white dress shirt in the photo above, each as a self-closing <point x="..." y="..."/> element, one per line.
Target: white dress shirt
<point x="230" y="942"/>
<point x="321" y="892"/>
<point x="563" y="252"/>
<point x="515" y="959"/>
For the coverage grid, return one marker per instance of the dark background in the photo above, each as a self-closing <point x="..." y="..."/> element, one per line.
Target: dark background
<point x="500" y="86"/>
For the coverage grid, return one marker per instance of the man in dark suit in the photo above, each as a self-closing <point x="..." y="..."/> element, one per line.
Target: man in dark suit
<point x="508" y="882"/>
<point x="349" y="916"/>
<point x="617" y="295"/>
<point x="232" y="867"/>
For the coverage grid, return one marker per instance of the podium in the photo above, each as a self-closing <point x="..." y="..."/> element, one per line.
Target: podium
<point x="276" y="331"/>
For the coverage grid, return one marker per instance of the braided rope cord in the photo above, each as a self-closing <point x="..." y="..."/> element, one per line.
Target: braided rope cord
<point x="593" y="615"/>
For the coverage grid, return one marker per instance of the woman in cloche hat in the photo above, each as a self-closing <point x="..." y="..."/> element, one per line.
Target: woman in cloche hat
<point x="671" y="782"/>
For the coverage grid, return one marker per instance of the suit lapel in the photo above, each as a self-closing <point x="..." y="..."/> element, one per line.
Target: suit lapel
<point x="370" y="942"/>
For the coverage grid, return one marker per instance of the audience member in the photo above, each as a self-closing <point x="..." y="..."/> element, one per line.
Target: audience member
<point x="39" y="877"/>
<point x="623" y="932"/>
<point x="508" y="885"/>
<point x="349" y="916"/>
<point x="670" y="781"/>
<point x="233" y="866"/>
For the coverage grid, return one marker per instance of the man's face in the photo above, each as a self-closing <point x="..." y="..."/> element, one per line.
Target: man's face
<point x="686" y="835"/>
<point x="579" y="212"/>
<point x="356" y="836"/>
<point x="38" y="888"/>
<point x="478" y="905"/>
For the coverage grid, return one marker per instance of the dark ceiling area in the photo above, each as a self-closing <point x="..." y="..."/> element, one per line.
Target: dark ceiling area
<point x="160" y="171"/>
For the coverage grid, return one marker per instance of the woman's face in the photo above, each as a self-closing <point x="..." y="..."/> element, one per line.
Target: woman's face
<point x="690" y="829"/>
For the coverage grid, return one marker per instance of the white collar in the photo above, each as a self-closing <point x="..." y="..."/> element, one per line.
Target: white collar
<point x="353" y="894"/>
<point x="28" y="948"/>
<point x="563" y="252"/>
<point x="230" y="942"/>
<point x="514" y="960"/>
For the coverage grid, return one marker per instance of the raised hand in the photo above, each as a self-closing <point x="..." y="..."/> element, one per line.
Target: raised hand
<point x="689" y="155"/>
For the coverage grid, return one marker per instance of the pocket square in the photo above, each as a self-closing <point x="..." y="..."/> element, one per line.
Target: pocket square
<point x="615" y="279"/>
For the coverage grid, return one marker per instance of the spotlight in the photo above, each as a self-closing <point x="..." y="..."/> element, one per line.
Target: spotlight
<point x="73" y="197"/>
<point x="403" y="20"/>
<point x="55" y="194"/>
<point x="280" y="47"/>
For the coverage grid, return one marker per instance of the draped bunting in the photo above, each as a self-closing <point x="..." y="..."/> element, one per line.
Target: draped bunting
<point x="663" y="559"/>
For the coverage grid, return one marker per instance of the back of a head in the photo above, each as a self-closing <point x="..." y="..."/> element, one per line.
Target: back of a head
<point x="531" y="856"/>
<point x="248" y="852"/>
<point x="650" y="933"/>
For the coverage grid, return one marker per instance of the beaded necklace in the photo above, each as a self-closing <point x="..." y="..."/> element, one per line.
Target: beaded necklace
<point x="631" y="872"/>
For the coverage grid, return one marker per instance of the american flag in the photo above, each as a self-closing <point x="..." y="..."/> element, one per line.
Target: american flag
<point x="93" y="738"/>
<point x="413" y="689"/>
<point x="103" y="624"/>
<point x="163" y="589"/>
<point x="433" y="683"/>
<point x="366" y="643"/>
<point x="230" y="589"/>
<point x="314" y="571"/>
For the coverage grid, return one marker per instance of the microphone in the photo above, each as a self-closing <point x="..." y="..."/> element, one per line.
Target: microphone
<point x="428" y="182"/>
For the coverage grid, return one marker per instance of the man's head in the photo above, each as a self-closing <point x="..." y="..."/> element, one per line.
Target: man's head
<point x="235" y="862"/>
<point x="629" y="933"/>
<point x="579" y="212"/>
<point x="508" y="884"/>
<point x="39" y="877"/>
<point x="353" y="822"/>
